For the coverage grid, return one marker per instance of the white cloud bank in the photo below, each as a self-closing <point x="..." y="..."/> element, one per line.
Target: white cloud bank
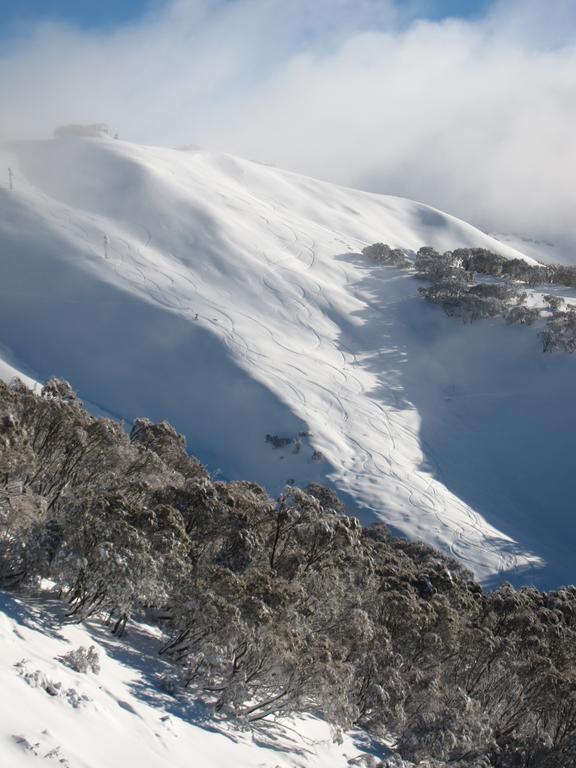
<point x="478" y="117"/>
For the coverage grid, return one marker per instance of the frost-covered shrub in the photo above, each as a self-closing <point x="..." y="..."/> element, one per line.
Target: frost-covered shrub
<point x="559" y="334"/>
<point x="82" y="659"/>
<point x="561" y="274"/>
<point x="163" y="440"/>
<point x="435" y="266"/>
<point x="428" y="258"/>
<point x="463" y="303"/>
<point x="472" y="302"/>
<point x="442" y="268"/>
<point x="498" y="291"/>
<point x="522" y="271"/>
<point x="521" y="315"/>
<point x="554" y="302"/>
<point x="454" y="290"/>
<point x="35" y="678"/>
<point x="117" y="556"/>
<point x="278" y="442"/>
<point x="479" y="260"/>
<point x="59" y="389"/>
<point x="384" y="254"/>
<point x="454" y="728"/>
<point x="326" y="496"/>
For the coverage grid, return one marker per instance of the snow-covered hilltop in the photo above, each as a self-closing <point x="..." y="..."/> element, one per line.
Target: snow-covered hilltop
<point x="230" y="299"/>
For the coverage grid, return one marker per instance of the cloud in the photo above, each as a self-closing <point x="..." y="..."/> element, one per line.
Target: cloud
<point x="475" y="117"/>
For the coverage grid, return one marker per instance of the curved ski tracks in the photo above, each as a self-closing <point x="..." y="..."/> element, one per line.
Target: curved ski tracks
<point x="288" y="341"/>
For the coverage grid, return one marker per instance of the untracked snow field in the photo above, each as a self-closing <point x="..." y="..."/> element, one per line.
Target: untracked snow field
<point x="230" y="298"/>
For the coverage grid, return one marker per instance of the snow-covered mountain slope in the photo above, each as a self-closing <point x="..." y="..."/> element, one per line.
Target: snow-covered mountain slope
<point x="53" y="715"/>
<point x="229" y="298"/>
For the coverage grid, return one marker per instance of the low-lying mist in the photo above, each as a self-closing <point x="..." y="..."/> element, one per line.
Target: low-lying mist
<point x="472" y="116"/>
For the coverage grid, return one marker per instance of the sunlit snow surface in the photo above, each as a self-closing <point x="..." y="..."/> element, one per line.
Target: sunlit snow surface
<point x="230" y="299"/>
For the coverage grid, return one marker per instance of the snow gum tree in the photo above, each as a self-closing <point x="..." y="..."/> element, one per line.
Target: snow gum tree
<point x="275" y="606"/>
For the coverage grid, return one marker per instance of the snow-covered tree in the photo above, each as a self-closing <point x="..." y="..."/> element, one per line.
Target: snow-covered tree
<point x="270" y="607"/>
<point x="383" y="254"/>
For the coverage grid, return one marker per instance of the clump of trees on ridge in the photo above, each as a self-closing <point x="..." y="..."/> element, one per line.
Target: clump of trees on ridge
<point x="456" y="288"/>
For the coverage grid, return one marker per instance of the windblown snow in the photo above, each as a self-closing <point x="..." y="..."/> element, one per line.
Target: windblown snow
<point x="230" y="298"/>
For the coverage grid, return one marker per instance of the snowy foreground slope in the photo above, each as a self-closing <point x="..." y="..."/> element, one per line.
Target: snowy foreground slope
<point x="53" y="715"/>
<point x="230" y="299"/>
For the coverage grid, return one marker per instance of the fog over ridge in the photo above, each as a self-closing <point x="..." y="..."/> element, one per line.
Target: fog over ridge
<point x="473" y="116"/>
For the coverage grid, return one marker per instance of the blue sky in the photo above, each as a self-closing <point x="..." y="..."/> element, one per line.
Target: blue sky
<point x="94" y="14"/>
<point x="84" y="13"/>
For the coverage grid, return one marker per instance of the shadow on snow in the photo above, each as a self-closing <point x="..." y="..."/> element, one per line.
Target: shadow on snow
<point x="497" y="415"/>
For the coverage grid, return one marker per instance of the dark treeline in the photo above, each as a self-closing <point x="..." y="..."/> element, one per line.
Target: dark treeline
<point x="271" y="607"/>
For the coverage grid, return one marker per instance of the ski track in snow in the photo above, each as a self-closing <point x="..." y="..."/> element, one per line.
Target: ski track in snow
<point x="251" y="255"/>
